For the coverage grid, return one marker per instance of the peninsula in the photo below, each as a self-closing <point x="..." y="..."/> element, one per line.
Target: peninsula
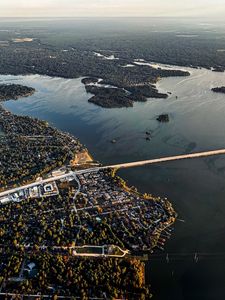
<point x="70" y="218"/>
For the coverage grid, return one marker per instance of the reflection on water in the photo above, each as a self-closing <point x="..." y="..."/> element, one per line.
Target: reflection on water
<point x="196" y="188"/>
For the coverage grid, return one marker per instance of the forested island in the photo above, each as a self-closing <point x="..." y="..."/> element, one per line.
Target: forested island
<point x="164" y="118"/>
<point x="109" y="97"/>
<point x="219" y="89"/>
<point x="14" y="91"/>
<point x="116" y="97"/>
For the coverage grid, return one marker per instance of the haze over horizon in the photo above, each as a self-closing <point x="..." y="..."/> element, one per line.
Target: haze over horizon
<point x="112" y="8"/>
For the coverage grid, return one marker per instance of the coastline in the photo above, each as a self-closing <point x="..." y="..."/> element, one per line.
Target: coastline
<point x="133" y="259"/>
<point x="14" y="92"/>
<point x="83" y="159"/>
<point x="62" y="52"/>
<point x="168" y="206"/>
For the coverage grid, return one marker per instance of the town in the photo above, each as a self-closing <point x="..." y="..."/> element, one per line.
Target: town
<point x="30" y="147"/>
<point x="61" y="212"/>
<point x="91" y="215"/>
<point x="91" y="209"/>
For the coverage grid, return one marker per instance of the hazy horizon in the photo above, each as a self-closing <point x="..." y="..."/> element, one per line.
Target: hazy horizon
<point x="112" y="8"/>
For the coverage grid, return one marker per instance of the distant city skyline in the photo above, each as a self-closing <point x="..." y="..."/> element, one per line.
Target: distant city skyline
<point x="111" y="8"/>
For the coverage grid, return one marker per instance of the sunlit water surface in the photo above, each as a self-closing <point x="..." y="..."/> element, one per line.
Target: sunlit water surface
<point x="196" y="187"/>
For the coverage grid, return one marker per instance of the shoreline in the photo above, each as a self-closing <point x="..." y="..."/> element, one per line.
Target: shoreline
<point x="14" y="92"/>
<point x="167" y="204"/>
<point x="83" y="158"/>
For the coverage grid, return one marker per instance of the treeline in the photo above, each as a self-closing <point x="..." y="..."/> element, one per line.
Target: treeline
<point x="78" y="277"/>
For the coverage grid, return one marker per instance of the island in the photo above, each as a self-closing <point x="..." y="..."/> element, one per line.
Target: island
<point x="219" y="89"/>
<point x="116" y="97"/>
<point x="164" y="118"/>
<point x="109" y="97"/>
<point x="14" y="91"/>
<point x="70" y="227"/>
<point x="147" y="91"/>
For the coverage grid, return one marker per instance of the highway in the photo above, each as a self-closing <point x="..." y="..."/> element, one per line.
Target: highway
<point x="117" y="166"/>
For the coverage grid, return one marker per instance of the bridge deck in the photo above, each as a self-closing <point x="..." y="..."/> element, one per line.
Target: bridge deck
<point x="166" y="159"/>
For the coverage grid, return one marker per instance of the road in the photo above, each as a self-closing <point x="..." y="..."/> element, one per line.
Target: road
<point x="74" y="206"/>
<point x="117" y="166"/>
<point x="166" y="159"/>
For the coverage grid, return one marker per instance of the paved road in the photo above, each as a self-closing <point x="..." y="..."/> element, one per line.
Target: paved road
<point x="166" y="159"/>
<point x="118" y="166"/>
<point x="74" y="206"/>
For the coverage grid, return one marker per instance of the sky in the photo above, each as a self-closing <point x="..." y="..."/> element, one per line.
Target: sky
<point x="111" y="8"/>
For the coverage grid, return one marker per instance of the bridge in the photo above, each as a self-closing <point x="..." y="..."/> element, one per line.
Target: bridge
<point x="116" y="166"/>
<point x="166" y="159"/>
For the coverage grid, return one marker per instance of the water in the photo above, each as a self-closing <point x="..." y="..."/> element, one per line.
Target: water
<point x="196" y="187"/>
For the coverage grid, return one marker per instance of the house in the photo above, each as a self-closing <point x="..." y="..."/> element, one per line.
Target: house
<point x="34" y="192"/>
<point x="50" y="189"/>
<point x="31" y="266"/>
<point x="31" y="270"/>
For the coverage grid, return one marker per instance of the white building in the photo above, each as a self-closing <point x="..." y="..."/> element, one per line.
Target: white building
<point x="5" y="200"/>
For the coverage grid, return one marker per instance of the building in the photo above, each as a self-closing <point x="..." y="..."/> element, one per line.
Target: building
<point x="48" y="188"/>
<point x="5" y="200"/>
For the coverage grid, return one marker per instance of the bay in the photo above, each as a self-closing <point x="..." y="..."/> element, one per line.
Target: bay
<point x="196" y="188"/>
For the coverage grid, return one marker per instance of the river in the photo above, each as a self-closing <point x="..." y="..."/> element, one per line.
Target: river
<point x="195" y="187"/>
